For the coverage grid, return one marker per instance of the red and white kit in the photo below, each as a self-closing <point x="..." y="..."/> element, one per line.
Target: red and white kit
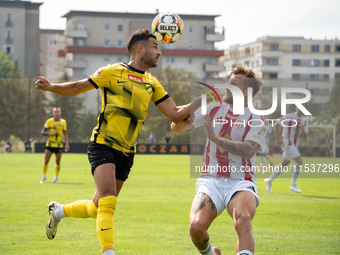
<point x="239" y="128"/>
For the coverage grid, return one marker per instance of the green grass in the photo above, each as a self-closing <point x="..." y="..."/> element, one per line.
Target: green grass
<point x="153" y="208"/>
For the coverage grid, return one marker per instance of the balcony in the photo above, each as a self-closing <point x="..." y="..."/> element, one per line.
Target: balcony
<point x="270" y="68"/>
<point x="76" y="33"/>
<point x="212" y="81"/>
<point x="211" y="35"/>
<point x="9" y="23"/>
<point x="275" y="53"/>
<point x="8" y="40"/>
<point x="213" y="67"/>
<point x="78" y="64"/>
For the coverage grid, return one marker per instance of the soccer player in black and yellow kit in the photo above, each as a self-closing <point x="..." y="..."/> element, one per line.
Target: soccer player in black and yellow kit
<point x="55" y="128"/>
<point x="126" y="91"/>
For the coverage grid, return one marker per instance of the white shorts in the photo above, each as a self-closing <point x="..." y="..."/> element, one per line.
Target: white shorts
<point x="265" y="149"/>
<point x="290" y="152"/>
<point x="222" y="190"/>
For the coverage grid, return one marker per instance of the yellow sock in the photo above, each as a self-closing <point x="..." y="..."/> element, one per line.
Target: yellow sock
<point x="45" y="168"/>
<point x="81" y="209"/>
<point x="56" y="170"/>
<point x="106" y="209"/>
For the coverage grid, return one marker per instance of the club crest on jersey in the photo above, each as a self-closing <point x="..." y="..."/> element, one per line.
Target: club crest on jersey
<point x="148" y="87"/>
<point x="95" y="75"/>
<point x="135" y="78"/>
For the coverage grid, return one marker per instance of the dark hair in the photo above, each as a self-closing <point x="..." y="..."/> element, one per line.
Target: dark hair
<point x="139" y="35"/>
<point x="254" y="82"/>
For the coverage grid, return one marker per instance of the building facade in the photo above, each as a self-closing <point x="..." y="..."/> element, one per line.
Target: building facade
<point x="20" y="34"/>
<point x="290" y="61"/>
<point x="95" y="39"/>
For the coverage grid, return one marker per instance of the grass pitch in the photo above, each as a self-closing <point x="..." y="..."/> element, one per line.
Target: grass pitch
<point x="153" y="208"/>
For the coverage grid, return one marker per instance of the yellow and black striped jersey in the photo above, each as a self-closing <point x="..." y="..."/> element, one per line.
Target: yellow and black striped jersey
<point x="126" y="93"/>
<point x="58" y="126"/>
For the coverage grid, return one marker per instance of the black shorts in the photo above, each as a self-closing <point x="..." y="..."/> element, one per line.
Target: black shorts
<point x="99" y="154"/>
<point x="54" y="150"/>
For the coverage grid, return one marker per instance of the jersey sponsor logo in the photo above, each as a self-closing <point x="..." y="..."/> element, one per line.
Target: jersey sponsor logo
<point x="135" y="78"/>
<point x="95" y="75"/>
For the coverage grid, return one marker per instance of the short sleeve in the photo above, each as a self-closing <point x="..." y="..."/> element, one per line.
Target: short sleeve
<point x="159" y="94"/>
<point x="199" y="118"/>
<point x="46" y="124"/>
<point x="101" y="77"/>
<point x="65" y="126"/>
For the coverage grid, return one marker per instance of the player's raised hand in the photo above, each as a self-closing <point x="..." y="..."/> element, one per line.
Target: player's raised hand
<point x="43" y="84"/>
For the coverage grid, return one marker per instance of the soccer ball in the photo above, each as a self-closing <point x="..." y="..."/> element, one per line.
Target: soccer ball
<point x="167" y="27"/>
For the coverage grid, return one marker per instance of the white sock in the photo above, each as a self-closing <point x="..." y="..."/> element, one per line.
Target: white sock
<point x="269" y="159"/>
<point x="276" y="172"/>
<point x="245" y="252"/>
<point x="59" y="212"/>
<point x="261" y="160"/>
<point x="108" y="252"/>
<point x="208" y="251"/>
<point x="296" y="172"/>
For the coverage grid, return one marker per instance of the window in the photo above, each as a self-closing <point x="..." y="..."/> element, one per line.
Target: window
<point x="120" y="28"/>
<point x="273" y="76"/>
<point x="50" y="69"/>
<point x="119" y="58"/>
<point x="326" y="77"/>
<point x="107" y="43"/>
<point x="327" y="48"/>
<point x="191" y="30"/>
<point x="9" y="33"/>
<point x="337" y="48"/>
<point x="296" y="62"/>
<point x="190" y="60"/>
<point x="53" y="43"/>
<point x="9" y="17"/>
<point x="296" y="76"/>
<point x="315" y="48"/>
<point x="190" y="45"/>
<point x="170" y="60"/>
<point x="208" y="61"/>
<point x="274" y="47"/>
<point x="120" y="43"/>
<point x="8" y="50"/>
<point x="326" y="62"/>
<point x="107" y="27"/>
<point x="80" y="26"/>
<point x="296" y="47"/>
<point x="314" y="62"/>
<point x="337" y="75"/>
<point x="106" y="58"/>
<point x="81" y="42"/>
<point x="314" y="77"/>
<point x="209" y="46"/>
<point x="80" y="57"/>
<point x="337" y="62"/>
<point x="273" y="62"/>
<point x="51" y="56"/>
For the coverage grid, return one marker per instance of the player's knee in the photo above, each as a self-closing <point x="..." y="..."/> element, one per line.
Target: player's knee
<point x="243" y="223"/>
<point x="197" y="230"/>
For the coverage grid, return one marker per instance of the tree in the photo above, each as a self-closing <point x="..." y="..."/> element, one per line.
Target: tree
<point x="70" y="108"/>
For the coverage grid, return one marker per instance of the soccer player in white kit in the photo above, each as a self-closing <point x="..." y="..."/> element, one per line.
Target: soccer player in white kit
<point x="265" y="150"/>
<point x="295" y="126"/>
<point x="232" y="148"/>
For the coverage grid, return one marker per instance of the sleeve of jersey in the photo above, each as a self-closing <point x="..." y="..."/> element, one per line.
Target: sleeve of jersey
<point x="101" y="77"/>
<point x="257" y="134"/>
<point x="159" y="95"/>
<point x="65" y="126"/>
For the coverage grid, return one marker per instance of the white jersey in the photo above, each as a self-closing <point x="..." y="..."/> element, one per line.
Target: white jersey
<point x="217" y="161"/>
<point x="291" y="133"/>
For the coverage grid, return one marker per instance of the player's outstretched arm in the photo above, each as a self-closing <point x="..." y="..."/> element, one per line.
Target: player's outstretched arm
<point x="181" y="126"/>
<point x="245" y="149"/>
<point x="65" y="89"/>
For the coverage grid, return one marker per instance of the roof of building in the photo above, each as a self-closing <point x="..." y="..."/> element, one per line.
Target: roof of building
<point x="20" y="4"/>
<point x="131" y="15"/>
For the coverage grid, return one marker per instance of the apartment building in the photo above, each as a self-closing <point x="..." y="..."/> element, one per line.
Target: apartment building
<point x="52" y="42"/>
<point x="290" y="61"/>
<point x="20" y="32"/>
<point x="95" y="39"/>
